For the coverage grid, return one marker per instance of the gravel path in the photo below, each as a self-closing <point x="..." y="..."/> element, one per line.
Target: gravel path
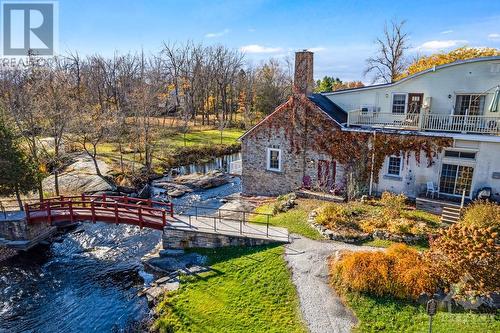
<point x="321" y="307"/>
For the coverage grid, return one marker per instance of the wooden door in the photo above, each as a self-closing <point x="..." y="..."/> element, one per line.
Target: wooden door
<point x="415" y="101"/>
<point x="323" y="174"/>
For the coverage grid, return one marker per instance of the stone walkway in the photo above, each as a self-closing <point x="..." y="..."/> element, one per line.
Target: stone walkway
<point x="321" y="307"/>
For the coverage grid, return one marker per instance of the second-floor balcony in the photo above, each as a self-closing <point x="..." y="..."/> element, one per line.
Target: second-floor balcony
<point x="473" y="124"/>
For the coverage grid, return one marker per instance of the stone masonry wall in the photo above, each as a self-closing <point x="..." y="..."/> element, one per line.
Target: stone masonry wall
<point x="257" y="180"/>
<point x="19" y="230"/>
<point x="182" y="239"/>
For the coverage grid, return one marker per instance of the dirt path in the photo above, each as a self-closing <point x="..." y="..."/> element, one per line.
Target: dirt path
<point x="321" y="308"/>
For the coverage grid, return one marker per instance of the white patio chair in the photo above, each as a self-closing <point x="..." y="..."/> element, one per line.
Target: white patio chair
<point x="431" y="189"/>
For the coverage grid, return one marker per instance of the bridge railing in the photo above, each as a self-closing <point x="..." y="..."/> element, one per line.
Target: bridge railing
<point x="141" y="212"/>
<point x="223" y="214"/>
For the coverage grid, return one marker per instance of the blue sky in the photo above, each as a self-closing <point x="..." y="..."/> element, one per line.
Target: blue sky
<point x="341" y="33"/>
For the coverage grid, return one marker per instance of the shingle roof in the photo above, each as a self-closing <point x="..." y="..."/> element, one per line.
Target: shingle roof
<point x="330" y="108"/>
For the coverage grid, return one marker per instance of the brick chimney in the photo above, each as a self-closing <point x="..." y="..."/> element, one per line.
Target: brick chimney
<point x="303" y="78"/>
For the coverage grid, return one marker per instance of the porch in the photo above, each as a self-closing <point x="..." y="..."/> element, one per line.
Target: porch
<point x="474" y="124"/>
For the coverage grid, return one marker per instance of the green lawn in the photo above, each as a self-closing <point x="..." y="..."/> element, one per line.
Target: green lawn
<point x="229" y="136"/>
<point x="378" y="314"/>
<point x="248" y="290"/>
<point x="295" y="220"/>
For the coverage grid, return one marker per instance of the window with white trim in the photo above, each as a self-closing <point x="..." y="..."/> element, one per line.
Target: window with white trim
<point x="274" y="159"/>
<point x="394" y="166"/>
<point x="472" y="104"/>
<point x="398" y="103"/>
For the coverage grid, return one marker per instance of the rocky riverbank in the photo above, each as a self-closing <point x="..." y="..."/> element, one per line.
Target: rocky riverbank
<point x="180" y="185"/>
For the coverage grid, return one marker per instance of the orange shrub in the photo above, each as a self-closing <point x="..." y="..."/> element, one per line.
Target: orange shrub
<point x="468" y="256"/>
<point x="393" y="204"/>
<point x="400" y="272"/>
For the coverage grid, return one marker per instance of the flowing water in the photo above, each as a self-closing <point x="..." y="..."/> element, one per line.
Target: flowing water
<point x="89" y="280"/>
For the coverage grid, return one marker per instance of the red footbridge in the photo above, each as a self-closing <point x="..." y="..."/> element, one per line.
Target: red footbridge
<point x="144" y="213"/>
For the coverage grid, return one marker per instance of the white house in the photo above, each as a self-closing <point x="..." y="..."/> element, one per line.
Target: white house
<point x="458" y="100"/>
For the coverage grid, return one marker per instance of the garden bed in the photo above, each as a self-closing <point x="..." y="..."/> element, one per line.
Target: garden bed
<point x="388" y="219"/>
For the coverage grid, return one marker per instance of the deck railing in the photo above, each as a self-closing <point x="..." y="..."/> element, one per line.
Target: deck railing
<point x="383" y="119"/>
<point x="476" y="124"/>
<point x="461" y="123"/>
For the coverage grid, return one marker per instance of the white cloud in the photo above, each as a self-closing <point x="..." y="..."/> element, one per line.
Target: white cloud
<point x="446" y="32"/>
<point x="255" y="48"/>
<point x="316" y="49"/>
<point x="433" y="45"/>
<point x="494" y="36"/>
<point x="217" y="34"/>
<point x="251" y="30"/>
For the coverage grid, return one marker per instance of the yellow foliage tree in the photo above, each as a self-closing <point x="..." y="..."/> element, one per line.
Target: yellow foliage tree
<point x="462" y="53"/>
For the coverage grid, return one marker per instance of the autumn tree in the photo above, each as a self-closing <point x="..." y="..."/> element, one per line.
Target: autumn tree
<point x="462" y="53"/>
<point x="327" y="84"/>
<point x="390" y="61"/>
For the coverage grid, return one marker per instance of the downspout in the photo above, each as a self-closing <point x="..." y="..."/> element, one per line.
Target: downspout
<point x="373" y="161"/>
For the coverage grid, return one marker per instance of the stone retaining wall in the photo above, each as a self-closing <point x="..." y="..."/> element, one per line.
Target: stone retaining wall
<point x="182" y="239"/>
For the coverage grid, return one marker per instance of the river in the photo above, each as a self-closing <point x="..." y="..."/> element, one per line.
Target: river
<point x="87" y="281"/>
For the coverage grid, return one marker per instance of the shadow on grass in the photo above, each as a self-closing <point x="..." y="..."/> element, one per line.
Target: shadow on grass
<point x="223" y="254"/>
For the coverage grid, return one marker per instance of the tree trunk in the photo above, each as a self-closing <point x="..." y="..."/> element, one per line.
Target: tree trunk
<point x="18" y="197"/>
<point x="56" y="181"/>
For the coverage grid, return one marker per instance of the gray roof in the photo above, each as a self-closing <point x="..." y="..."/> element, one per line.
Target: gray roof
<point x="330" y="108"/>
<point x="429" y="70"/>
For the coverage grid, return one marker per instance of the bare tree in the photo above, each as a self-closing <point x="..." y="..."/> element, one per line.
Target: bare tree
<point x="390" y="61"/>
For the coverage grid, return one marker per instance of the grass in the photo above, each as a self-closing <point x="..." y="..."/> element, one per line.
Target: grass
<point x="295" y="220"/>
<point x="169" y="143"/>
<point x="229" y="136"/>
<point x="384" y="314"/>
<point x="247" y="290"/>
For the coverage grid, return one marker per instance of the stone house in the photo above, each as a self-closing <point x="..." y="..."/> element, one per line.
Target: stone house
<point x="458" y="102"/>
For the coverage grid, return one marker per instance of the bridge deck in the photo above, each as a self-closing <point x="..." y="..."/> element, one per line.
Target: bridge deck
<point x="227" y="227"/>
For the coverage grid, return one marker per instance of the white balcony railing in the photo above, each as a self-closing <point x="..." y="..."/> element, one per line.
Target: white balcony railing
<point x="461" y="123"/>
<point x="426" y="122"/>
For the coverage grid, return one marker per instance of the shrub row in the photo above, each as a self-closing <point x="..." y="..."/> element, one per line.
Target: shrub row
<point x="400" y="272"/>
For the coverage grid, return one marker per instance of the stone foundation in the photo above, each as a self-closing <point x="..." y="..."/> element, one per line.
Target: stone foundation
<point x="17" y="234"/>
<point x="183" y="239"/>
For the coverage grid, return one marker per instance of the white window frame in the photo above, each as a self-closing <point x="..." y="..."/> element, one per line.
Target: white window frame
<point x="485" y="106"/>
<point x="268" y="159"/>
<point x="406" y="101"/>
<point x="400" y="166"/>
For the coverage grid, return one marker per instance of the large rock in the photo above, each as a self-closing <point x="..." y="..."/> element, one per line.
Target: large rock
<point x="80" y="177"/>
<point x="174" y="190"/>
<point x="203" y="181"/>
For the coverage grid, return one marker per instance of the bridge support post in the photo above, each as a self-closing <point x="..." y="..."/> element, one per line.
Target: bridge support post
<point x="72" y="219"/>
<point x="83" y="200"/>
<point x="139" y="212"/>
<point x="92" y="209"/>
<point x="171" y="209"/>
<point x="164" y="216"/>
<point x="49" y="213"/>
<point x="116" y="213"/>
<point x="104" y="201"/>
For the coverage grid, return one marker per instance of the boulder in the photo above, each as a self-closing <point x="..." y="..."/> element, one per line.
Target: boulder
<point x="174" y="190"/>
<point x="145" y="192"/>
<point x="203" y="181"/>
